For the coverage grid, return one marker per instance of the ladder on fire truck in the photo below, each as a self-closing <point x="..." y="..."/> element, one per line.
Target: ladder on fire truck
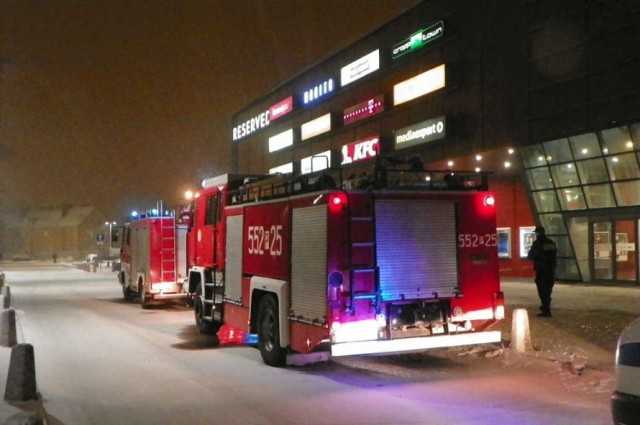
<point x="168" y="249"/>
<point x="364" y="276"/>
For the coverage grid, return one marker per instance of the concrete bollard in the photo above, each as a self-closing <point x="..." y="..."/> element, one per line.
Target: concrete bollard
<point x="8" y="336"/>
<point x="6" y="292"/>
<point x="21" y="380"/>
<point x="520" y="331"/>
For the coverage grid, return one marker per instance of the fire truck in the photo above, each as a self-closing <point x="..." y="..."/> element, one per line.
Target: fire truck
<point x="403" y="260"/>
<point x="153" y="258"/>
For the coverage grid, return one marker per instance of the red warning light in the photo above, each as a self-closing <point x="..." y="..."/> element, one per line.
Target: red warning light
<point x="338" y="201"/>
<point x="489" y="201"/>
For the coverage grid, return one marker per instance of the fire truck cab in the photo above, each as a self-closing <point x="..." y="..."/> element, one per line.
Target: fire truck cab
<point x="403" y="260"/>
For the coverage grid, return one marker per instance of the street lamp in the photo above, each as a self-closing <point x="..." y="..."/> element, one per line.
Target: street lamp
<point x="109" y="238"/>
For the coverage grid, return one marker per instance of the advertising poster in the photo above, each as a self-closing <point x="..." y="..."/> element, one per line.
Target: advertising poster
<point x="527" y="236"/>
<point x="504" y="242"/>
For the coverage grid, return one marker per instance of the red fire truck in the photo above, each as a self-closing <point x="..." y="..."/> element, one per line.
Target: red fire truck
<point x="153" y="258"/>
<point x="403" y="260"/>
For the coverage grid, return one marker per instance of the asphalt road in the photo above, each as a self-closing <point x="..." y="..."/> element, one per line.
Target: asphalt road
<point x="100" y="360"/>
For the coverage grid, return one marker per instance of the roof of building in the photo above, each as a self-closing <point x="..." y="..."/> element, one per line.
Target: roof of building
<point x="54" y="217"/>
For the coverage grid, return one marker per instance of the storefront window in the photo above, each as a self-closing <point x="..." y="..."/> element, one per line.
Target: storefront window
<point x="599" y="196"/>
<point x="616" y="140"/>
<point x="553" y="224"/>
<point x="564" y="175"/>
<point x="585" y="146"/>
<point x="546" y="201"/>
<point x="557" y="151"/>
<point x="533" y="156"/>
<point x="623" y="167"/>
<point x="572" y="199"/>
<point x="627" y="193"/>
<point x="539" y="178"/>
<point x="564" y="246"/>
<point x="567" y="269"/>
<point x="592" y="171"/>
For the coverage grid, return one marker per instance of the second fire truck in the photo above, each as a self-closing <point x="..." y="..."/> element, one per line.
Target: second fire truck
<point x="404" y="260"/>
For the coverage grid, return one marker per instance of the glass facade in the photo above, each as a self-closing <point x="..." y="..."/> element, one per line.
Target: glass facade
<point x="581" y="173"/>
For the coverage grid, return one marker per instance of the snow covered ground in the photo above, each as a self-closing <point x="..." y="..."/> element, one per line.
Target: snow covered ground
<point x="576" y="347"/>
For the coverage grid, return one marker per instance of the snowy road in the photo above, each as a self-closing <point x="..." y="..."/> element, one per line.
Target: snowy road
<point x="100" y="360"/>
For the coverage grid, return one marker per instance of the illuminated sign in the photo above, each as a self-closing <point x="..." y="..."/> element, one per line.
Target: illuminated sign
<point x="314" y="127"/>
<point x="424" y="132"/>
<point x="364" y="109"/>
<point x="316" y="162"/>
<point x="417" y="40"/>
<point x="281" y="141"/>
<point x="419" y="85"/>
<point x="251" y="125"/>
<point x="281" y="108"/>
<point x="282" y="169"/>
<point x="360" y="150"/>
<point x="318" y="91"/>
<point x="358" y="69"/>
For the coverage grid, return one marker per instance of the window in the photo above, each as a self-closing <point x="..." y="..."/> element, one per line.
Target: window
<point x="623" y="167"/>
<point x="212" y="211"/>
<point x="627" y="193"/>
<point x="553" y="224"/>
<point x="564" y="175"/>
<point x="557" y="151"/>
<point x="572" y="199"/>
<point x="592" y="171"/>
<point x="546" y="201"/>
<point x="585" y="146"/>
<point x="616" y="140"/>
<point x="599" y="196"/>
<point x="539" y="178"/>
<point x="533" y="156"/>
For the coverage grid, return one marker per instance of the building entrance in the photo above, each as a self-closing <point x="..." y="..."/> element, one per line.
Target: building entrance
<point x="615" y="254"/>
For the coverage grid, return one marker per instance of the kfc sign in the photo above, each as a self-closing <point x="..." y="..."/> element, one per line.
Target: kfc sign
<point x="360" y="150"/>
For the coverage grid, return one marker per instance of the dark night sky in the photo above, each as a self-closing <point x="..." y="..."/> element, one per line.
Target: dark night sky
<point x="120" y="103"/>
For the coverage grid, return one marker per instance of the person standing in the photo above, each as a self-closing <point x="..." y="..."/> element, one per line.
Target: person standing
<point x="543" y="254"/>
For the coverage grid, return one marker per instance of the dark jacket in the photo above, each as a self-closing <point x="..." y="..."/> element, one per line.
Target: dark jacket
<point x="543" y="254"/>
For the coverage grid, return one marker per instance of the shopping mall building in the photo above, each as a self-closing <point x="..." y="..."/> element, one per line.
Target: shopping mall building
<point x="545" y="94"/>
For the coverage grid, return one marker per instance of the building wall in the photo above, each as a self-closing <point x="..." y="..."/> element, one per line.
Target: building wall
<point x="513" y="212"/>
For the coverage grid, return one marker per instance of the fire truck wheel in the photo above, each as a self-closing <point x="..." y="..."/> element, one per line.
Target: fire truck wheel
<point x="204" y="327"/>
<point x="127" y="292"/>
<point x="269" y="333"/>
<point x="144" y="301"/>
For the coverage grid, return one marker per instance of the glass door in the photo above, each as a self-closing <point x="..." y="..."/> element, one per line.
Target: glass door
<point x="625" y="249"/>
<point x="602" y="250"/>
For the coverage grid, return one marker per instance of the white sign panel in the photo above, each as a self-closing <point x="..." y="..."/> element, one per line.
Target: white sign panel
<point x="314" y="127"/>
<point x="282" y="169"/>
<point x="423" y="132"/>
<point x="281" y="141"/>
<point x="316" y="162"/>
<point x="358" y="69"/>
<point x="419" y="85"/>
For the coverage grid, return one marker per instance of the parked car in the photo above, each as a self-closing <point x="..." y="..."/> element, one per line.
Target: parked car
<point x="625" y="400"/>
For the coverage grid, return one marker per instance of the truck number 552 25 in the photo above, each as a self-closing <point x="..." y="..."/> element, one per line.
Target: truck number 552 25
<point x="472" y="240"/>
<point x="265" y="240"/>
